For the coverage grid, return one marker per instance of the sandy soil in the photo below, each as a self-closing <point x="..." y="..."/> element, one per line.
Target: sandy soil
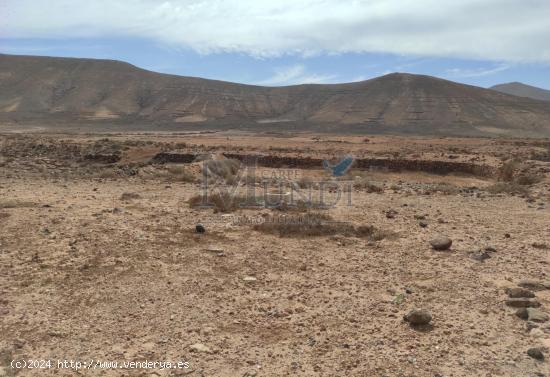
<point x="86" y="275"/>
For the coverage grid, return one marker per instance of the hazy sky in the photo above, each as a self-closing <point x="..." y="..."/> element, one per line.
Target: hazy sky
<point x="481" y="42"/>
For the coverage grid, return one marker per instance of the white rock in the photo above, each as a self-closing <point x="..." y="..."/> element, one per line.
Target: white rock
<point x="199" y="348"/>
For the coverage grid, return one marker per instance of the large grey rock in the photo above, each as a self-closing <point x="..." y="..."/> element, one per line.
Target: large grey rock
<point x="441" y="243"/>
<point x="418" y="317"/>
<point x="532" y="314"/>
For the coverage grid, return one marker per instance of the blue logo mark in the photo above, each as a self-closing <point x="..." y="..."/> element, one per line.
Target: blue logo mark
<point x="340" y="168"/>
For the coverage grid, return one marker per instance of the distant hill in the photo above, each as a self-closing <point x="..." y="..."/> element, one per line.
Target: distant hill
<point x="93" y="94"/>
<point x="523" y="90"/>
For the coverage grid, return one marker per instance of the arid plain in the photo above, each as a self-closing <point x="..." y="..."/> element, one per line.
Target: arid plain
<point x="100" y="257"/>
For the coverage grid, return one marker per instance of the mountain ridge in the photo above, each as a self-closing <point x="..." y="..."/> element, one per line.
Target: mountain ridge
<point x="97" y="92"/>
<point x="523" y="90"/>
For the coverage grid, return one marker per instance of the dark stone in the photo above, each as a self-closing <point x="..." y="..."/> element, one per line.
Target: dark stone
<point x="534" y="285"/>
<point x="522" y="313"/>
<point x="518" y="292"/>
<point x="522" y="302"/>
<point x="535" y="353"/>
<point x="532" y="315"/>
<point x="199" y="228"/>
<point x="390" y="214"/>
<point x="418" y="317"/>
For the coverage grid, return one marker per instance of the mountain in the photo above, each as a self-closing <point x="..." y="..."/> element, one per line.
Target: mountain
<point x="522" y="90"/>
<point x="89" y="94"/>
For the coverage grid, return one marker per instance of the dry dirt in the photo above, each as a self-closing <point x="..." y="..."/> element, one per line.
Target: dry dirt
<point x="89" y="274"/>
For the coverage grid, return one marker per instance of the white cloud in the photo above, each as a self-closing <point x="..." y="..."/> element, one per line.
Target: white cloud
<point x="500" y="30"/>
<point x="477" y="72"/>
<point x="295" y="75"/>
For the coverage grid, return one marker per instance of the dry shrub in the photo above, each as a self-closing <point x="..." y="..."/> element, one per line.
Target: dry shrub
<point x="529" y="179"/>
<point x="315" y="224"/>
<point x="108" y="174"/>
<point x="507" y="188"/>
<point x="446" y="188"/>
<point x="226" y="169"/>
<point x="541" y="156"/>
<point x="508" y="170"/>
<point x="221" y="202"/>
<point x="367" y="185"/>
<point x="180" y="174"/>
<point x="305" y="182"/>
<point x="126" y="196"/>
<point x="172" y="173"/>
<point x="510" y="173"/>
<point x="300" y="206"/>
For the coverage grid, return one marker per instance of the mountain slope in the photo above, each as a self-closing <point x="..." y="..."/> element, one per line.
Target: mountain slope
<point x="523" y="90"/>
<point x="89" y="91"/>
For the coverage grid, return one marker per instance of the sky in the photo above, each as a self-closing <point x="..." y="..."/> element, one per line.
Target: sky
<point x="283" y="42"/>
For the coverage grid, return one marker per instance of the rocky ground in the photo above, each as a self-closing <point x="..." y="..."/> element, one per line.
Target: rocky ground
<point x="102" y="261"/>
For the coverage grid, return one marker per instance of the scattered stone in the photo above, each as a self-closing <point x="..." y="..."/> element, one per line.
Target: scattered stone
<point x="540" y="245"/>
<point x="423" y="224"/>
<point x="507" y="235"/>
<point x="480" y="256"/>
<point x="249" y="279"/>
<point x="442" y="221"/>
<point x="522" y="313"/>
<point x="534" y="285"/>
<point x="522" y="302"/>
<point x="490" y="249"/>
<point x="420" y="217"/>
<point x="518" y="292"/>
<point x="418" y="317"/>
<point x="532" y="314"/>
<point x="214" y="249"/>
<point x="390" y="214"/>
<point x="535" y="353"/>
<point x="441" y="243"/>
<point x="199" y="348"/>
<point x="537" y="333"/>
<point x="199" y="228"/>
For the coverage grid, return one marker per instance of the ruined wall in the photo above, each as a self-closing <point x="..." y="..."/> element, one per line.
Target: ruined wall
<point x="174" y="157"/>
<point x="429" y="166"/>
